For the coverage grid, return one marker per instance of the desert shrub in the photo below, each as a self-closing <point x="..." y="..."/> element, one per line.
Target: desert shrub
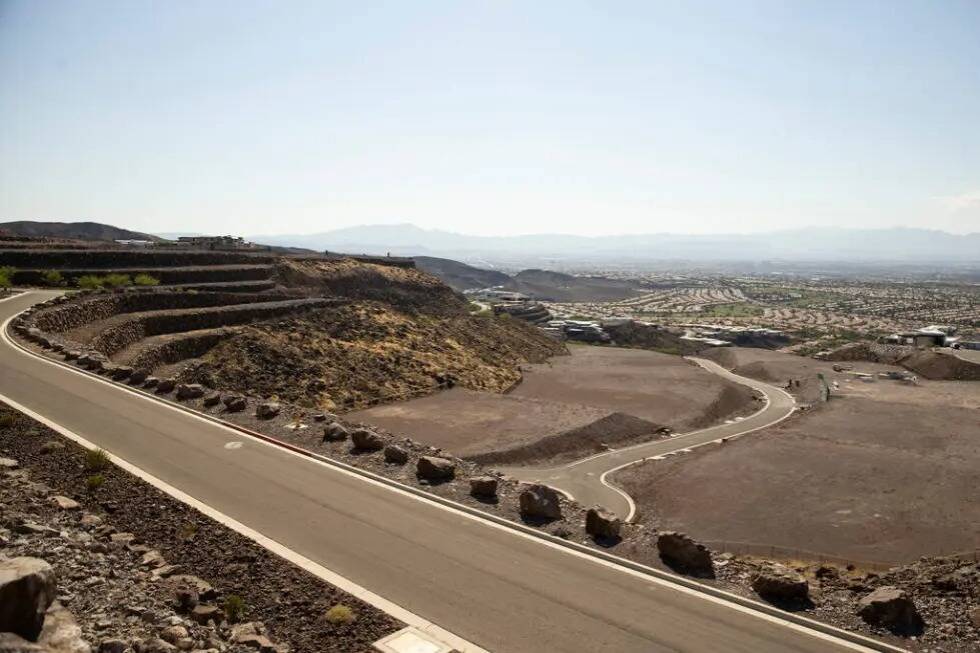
<point x="234" y="607"/>
<point x="6" y="276"/>
<point x="96" y="460"/>
<point x="52" y="278"/>
<point x="90" y="281"/>
<point x="94" y="482"/>
<point x="7" y="420"/>
<point x="51" y="446"/>
<point x="145" y="280"/>
<point x="340" y="614"/>
<point x="187" y="531"/>
<point x="116" y="280"/>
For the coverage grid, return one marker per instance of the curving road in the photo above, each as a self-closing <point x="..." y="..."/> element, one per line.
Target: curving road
<point x="587" y="480"/>
<point x="491" y="585"/>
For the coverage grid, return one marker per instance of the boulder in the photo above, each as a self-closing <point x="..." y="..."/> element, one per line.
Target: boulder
<point x="780" y="584"/>
<point x="334" y="432"/>
<point x="9" y="463"/>
<point x="540" y="501"/>
<point x="27" y="589"/>
<point x="190" y="391"/>
<point x="61" y="633"/>
<point x="433" y="468"/>
<point x="138" y="376"/>
<point x="366" y="440"/>
<point x="233" y="403"/>
<point x="685" y="554"/>
<point x="395" y="454"/>
<point x="155" y="645"/>
<point x="151" y="382"/>
<point x="113" y="646"/>
<point x="267" y="409"/>
<point x="173" y="634"/>
<point x="72" y="354"/>
<point x="212" y="399"/>
<point x="122" y="372"/>
<point x="484" y="487"/>
<point x="890" y="607"/>
<point x="601" y="523"/>
<point x="166" y="385"/>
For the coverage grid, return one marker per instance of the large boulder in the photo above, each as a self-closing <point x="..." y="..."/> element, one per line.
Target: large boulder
<point x="166" y="385"/>
<point x="335" y="432"/>
<point x="432" y="468"/>
<point x="396" y="455"/>
<point x="483" y="487"/>
<point x="233" y="403"/>
<point x="27" y="589"/>
<point x="267" y="409"/>
<point x="540" y="502"/>
<point x="602" y="523"/>
<point x="780" y="584"/>
<point x="366" y="440"/>
<point x="890" y="607"/>
<point x="190" y="391"/>
<point x="685" y="554"/>
<point x="213" y="399"/>
<point x="122" y="372"/>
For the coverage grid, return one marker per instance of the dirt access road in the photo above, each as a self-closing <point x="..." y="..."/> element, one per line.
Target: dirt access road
<point x="586" y="481"/>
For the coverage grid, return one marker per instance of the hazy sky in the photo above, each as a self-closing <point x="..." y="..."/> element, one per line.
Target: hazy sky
<point x="491" y="117"/>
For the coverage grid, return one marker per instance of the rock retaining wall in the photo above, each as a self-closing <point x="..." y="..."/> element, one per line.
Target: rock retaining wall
<point x="107" y="259"/>
<point x="172" y="275"/>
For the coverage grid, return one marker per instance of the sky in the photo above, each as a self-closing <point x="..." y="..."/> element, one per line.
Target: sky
<point x="491" y="118"/>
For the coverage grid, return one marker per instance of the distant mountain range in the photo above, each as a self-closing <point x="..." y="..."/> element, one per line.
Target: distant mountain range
<point x="74" y="230"/>
<point x="808" y="244"/>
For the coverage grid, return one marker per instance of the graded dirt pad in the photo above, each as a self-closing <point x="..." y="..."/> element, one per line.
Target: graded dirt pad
<point x="472" y="423"/>
<point x="866" y="480"/>
<point x="568" y="407"/>
<point x="659" y="388"/>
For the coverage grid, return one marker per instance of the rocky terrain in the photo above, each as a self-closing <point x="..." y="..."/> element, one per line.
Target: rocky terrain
<point x="116" y="566"/>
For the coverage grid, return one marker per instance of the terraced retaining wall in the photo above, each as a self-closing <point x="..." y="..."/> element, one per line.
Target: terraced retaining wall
<point x="73" y="314"/>
<point x="178" y="347"/>
<point x="167" y="275"/>
<point x="112" y="258"/>
<point x="134" y="328"/>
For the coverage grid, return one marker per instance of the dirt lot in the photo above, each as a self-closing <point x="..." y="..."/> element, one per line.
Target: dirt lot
<point x="860" y="478"/>
<point x="633" y="391"/>
<point x="657" y="387"/>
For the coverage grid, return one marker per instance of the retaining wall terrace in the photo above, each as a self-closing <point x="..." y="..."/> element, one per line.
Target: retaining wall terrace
<point x="171" y="275"/>
<point x="75" y="313"/>
<point x="107" y="259"/>
<point x="133" y="328"/>
<point x="178" y="347"/>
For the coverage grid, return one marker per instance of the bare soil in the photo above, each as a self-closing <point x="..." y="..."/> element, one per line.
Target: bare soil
<point x="657" y="387"/>
<point x="568" y="407"/>
<point x="864" y="479"/>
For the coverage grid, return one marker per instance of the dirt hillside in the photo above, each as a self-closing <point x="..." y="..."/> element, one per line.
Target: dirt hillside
<point x="352" y="355"/>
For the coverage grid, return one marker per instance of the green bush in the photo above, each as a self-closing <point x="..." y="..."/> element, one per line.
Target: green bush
<point x="96" y="460"/>
<point x="94" y="482"/>
<point x="340" y="614"/>
<point x="90" y="282"/>
<point x="52" y="278"/>
<point x="234" y="608"/>
<point x="6" y="276"/>
<point x="7" y="420"/>
<point x="145" y="280"/>
<point x="116" y="280"/>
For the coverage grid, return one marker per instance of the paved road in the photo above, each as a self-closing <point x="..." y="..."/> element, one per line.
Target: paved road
<point x="588" y="480"/>
<point x="490" y="585"/>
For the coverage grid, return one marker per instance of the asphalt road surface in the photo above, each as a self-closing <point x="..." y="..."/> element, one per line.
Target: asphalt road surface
<point x="588" y="480"/>
<point x="499" y="589"/>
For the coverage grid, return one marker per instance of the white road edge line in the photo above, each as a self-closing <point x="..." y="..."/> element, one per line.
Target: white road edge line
<point x="841" y="637"/>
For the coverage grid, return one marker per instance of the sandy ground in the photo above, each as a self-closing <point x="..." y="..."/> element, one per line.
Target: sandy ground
<point x="566" y="394"/>
<point x="861" y="478"/>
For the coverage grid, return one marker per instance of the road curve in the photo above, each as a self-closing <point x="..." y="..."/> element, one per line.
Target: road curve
<point x="587" y="480"/>
<point x="502" y="590"/>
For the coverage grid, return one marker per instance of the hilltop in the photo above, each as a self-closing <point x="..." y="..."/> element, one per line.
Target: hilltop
<point x="73" y="230"/>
